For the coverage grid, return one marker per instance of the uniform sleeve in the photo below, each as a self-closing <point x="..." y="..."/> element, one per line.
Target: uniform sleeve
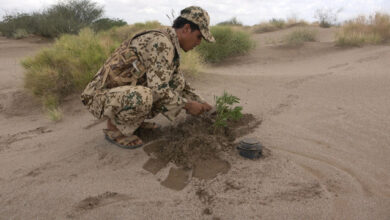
<point x="190" y="94"/>
<point x="158" y="58"/>
<point x="183" y="87"/>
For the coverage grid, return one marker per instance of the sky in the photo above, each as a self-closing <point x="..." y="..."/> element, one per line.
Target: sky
<point x="249" y="12"/>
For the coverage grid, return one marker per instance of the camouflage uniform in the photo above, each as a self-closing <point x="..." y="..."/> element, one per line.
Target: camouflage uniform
<point x="140" y="80"/>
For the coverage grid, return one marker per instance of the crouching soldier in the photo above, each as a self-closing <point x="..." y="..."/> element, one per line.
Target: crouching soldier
<point x="142" y="78"/>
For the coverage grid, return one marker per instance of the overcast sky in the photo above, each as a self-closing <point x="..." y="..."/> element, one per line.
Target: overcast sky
<point x="247" y="11"/>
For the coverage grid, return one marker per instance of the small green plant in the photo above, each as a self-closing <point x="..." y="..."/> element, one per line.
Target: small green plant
<point x="225" y="110"/>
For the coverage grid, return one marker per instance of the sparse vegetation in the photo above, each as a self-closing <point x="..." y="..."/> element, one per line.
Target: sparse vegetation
<point x="104" y="24"/>
<point x="229" y="42"/>
<point x="277" y="24"/>
<point x="231" y="22"/>
<point x="119" y="34"/>
<point x="362" y="30"/>
<point x="298" y="37"/>
<point x="326" y="17"/>
<point x="226" y="111"/>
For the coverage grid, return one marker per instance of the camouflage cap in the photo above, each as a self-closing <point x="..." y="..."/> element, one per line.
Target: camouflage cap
<point x="199" y="17"/>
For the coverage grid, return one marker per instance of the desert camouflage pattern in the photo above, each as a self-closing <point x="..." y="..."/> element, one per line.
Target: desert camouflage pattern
<point x="141" y="79"/>
<point x="200" y="17"/>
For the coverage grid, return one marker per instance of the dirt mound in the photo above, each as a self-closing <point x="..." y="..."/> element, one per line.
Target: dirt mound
<point x="194" y="147"/>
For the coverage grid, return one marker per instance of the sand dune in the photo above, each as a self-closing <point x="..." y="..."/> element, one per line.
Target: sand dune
<point x="325" y="119"/>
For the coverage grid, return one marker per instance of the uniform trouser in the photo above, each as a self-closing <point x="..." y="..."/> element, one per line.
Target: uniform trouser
<point x="127" y="107"/>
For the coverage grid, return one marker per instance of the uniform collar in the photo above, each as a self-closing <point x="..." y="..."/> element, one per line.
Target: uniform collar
<point x="174" y="39"/>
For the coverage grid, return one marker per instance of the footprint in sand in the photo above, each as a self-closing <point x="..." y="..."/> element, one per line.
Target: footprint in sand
<point x="284" y="106"/>
<point x="338" y="66"/>
<point x="367" y="59"/>
<point x="6" y="141"/>
<point x="93" y="202"/>
<point x="296" y="83"/>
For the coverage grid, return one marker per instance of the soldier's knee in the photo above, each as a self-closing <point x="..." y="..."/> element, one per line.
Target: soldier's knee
<point x="137" y="99"/>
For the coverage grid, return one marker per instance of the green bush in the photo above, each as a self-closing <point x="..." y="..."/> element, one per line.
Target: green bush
<point x="66" y="67"/>
<point x="64" y="17"/>
<point x="69" y="17"/>
<point x="18" y="21"/>
<point x="229" y="42"/>
<point x="107" y="23"/>
<point x="298" y="37"/>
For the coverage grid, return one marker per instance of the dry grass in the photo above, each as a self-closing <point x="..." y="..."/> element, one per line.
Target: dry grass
<point x="300" y="36"/>
<point x="365" y="30"/>
<point x="191" y="63"/>
<point x="277" y="24"/>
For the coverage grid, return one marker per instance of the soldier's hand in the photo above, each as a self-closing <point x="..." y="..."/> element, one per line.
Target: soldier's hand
<point x="206" y="107"/>
<point x="194" y="108"/>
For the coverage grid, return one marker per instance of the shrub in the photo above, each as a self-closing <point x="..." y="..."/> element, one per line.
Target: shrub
<point x="229" y="42"/>
<point x="120" y="34"/>
<point x="293" y="21"/>
<point x="326" y="17"/>
<point x="107" y="23"/>
<point x="66" y="67"/>
<point x="361" y="30"/>
<point x="278" y="23"/>
<point x="264" y="27"/>
<point x="69" y="17"/>
<point x="65" y="17"/>
<point x="18" y="21"/>
<point x="298" y="37"/>
<point x="231" y="22"/>
<point x="20" y="33"/>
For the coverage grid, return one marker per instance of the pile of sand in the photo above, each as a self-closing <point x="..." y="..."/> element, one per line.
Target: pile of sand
<point x="194" y="146"/>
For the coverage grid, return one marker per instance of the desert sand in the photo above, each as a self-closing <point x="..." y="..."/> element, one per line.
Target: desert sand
<point x="325" y="119"/>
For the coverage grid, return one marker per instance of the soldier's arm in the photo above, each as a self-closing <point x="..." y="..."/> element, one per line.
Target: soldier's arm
<point x="179" y="84"/>
<point x="190" y="93"/>
<point x="158" y="57"/>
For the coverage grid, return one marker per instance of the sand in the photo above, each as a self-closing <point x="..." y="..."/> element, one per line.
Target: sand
<point x="325" y="120"/>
